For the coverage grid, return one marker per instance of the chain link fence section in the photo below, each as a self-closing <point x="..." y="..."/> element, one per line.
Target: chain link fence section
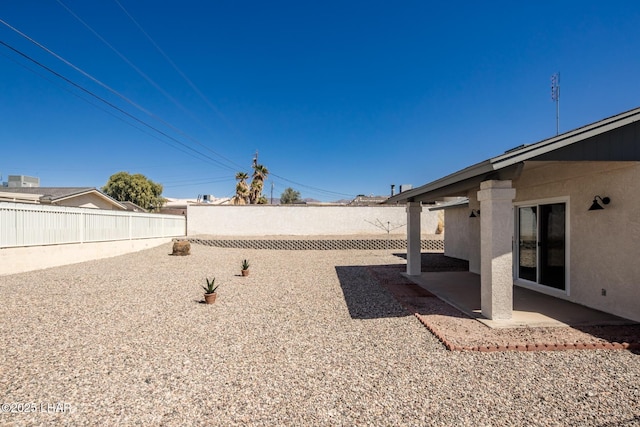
<point x="431" y="245"/>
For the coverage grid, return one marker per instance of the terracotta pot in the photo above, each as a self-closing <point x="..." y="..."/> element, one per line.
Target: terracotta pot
<point x="245" y="272"/>
<point x="210" y="298"/>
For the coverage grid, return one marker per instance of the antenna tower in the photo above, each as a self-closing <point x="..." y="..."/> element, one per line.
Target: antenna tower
<point x="555" y="96"/>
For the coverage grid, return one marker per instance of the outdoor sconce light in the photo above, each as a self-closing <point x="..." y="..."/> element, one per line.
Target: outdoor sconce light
<point x="476" y="213"/>
<point x="595" y="206"/>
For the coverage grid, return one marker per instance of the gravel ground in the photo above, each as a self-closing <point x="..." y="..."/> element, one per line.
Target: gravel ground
<point x="309" y="338"/>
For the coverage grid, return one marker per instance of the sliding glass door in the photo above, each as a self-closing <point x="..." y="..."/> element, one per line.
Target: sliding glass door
<point x="542" y="244"/>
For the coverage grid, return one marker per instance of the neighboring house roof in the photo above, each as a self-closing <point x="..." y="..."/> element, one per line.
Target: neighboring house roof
<point x="172" y="203"/>
<point x="178" y="203"/>
<point x="611" y="139"/>
<point x="55" y="195"/>
<point x="11" y="196"/>
<point x="367" y="200"/>
<point x="130" y="206"/>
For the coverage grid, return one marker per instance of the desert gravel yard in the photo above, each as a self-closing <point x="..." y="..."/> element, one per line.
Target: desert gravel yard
<point x="308" y="338"/>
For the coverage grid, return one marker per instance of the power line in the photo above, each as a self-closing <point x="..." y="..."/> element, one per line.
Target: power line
<point x="182" y="74"/>
<point x="115" y="107"/>
<point x="95" y="105"/>
<point x="147" y="78"/>
<point x="118" y="94"/>
<point x="135" y="105"/>
<point x="318" y="190"/>
<point x="186" y="183"/>
<point x="173" y="64"/>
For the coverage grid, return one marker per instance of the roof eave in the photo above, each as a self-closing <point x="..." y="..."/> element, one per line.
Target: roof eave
<point x="95" y="191"/>
<point x="479" y="169"/>
<point x="532" y="151"/>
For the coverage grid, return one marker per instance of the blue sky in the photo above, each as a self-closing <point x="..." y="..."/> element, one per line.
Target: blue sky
<point x="339" y="97"/>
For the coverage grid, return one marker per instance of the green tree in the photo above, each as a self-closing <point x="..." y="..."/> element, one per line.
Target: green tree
<point x="136" y="188"/>
<point x="289" y="196"/>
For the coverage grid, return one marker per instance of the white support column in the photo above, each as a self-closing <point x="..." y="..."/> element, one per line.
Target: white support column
<point x="496" y="234"/>
<point x="414" y="266"/>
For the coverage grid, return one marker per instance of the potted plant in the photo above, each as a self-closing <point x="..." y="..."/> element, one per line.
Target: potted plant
<point x="245" y="267"/>
<point x="210" y="291"/>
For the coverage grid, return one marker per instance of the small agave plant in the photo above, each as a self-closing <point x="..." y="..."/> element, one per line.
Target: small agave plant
<point x="210" y="291"/>
<point x="211" y="287"/>
<point x="245" y="267"/>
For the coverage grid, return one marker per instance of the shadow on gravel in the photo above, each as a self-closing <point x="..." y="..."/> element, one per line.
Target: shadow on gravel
<point x="365" y="298"/>
<point x="367" y="291"/>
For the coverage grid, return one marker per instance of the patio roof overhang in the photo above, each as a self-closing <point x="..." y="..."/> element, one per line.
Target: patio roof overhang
<point x="611" y="139"/>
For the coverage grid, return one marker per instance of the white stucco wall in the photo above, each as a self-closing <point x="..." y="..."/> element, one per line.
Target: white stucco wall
<point x="603" y="245"/>
<point x="30" y="258"/>
<point x="266" y="220"/>
<point x="457" y="238"/>
<point x="462" y="239"/>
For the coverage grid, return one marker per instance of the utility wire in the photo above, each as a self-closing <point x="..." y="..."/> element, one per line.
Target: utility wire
<point x="217" y="179"/>
<point x="137" y="106"/>
<point x="118" y="94"/>
<point x="149" y="80"/>
<point x="196" y="183"/>
<point x="99" y="107"/>
<point x="318" y="190"/>
<point x="179" y="71"/>
<point x="173" y="64"/>
<point x="115" y="107"/>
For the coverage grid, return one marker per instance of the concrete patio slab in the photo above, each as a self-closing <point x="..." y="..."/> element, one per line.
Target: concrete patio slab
<point x="461" y="289"/>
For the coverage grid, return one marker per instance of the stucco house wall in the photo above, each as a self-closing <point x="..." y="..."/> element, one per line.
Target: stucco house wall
<point x="267" y="220"/>
<point x="603" y="245"/>
<point x="457" y="237"/>
<point x="462" y="237"/>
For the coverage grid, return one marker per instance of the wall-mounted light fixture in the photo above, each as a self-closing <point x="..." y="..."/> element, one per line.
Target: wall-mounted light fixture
<point x="595" y="206"/>
<point x="476" y="212"/>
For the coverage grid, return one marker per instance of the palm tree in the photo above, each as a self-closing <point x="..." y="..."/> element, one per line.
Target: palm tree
<point x="254" y="191"/>
<point x="242" y="189"/>
<point x="260" y="173"/>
